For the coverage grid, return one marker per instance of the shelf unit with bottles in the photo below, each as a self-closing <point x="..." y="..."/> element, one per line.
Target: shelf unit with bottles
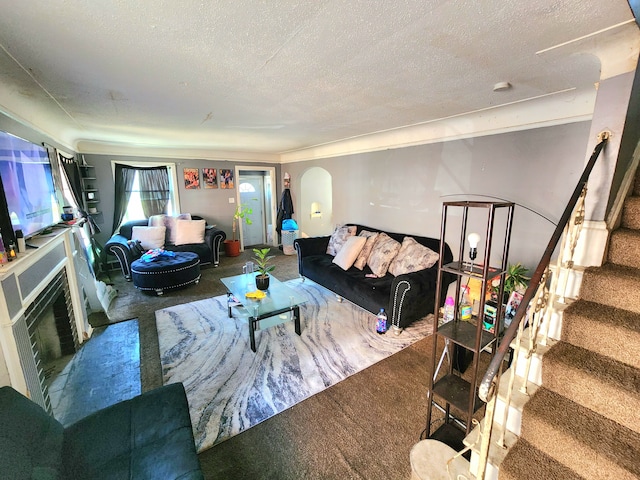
<point x="448" y="388"/>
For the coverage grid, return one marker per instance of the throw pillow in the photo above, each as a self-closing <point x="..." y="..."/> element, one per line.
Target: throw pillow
<point x="156" y="220"/>
<point x="189" y="231"/>
<point x="363" y="256"/>
<point x="171" y="224"/>
<point x="339" y="238"/>
<point x="150" y="237"/>
<point x="383" y="253"/>
<point x="349" y="252"/>
<point x="412" y="257"/>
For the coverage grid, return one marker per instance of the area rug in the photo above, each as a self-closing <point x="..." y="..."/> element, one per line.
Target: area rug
<point x="230" y="388"/>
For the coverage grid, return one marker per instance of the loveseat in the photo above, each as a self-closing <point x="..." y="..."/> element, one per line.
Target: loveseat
<point x="180" y="234"/>
<point x="406" y="297"/>
<point x="149" y="436"/>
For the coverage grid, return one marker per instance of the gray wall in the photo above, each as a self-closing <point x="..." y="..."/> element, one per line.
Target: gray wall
<point x="403" y="189"/>
<point x="211" y="204"/>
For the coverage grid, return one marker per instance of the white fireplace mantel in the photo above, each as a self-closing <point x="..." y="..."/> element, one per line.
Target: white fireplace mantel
<point x="22" y="281"/>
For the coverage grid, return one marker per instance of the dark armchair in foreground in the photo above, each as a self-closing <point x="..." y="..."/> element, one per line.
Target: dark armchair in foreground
<point x="149" y="436"/>
<point x="206" y="244"/>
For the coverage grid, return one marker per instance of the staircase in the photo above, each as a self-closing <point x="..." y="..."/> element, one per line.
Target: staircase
<point x="584" y="421"/>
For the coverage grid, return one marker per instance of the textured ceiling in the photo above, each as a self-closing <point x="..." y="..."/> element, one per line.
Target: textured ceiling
<point x="280" y="76"/>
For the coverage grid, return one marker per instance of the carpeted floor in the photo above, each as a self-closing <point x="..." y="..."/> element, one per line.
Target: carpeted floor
<point x="231" y="388"/>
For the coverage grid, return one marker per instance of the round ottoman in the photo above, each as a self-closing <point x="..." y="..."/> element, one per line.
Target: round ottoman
<point x="164" y="273"/>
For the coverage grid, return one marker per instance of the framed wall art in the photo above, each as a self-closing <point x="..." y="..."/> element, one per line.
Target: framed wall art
<point x="226" y="178"/>
<point x="191" y="178"/>
<point x="210" y="177"/>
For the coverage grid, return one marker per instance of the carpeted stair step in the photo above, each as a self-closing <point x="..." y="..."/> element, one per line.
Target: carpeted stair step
<point x="631" y="213"/>
<point x="612" y="285"/>
<point x="608" y="331"/>
<point x="525" y="462"/>
<point x="579" y="438"/>
<point x="624" y="245"/>
<point x="594" y="381"/>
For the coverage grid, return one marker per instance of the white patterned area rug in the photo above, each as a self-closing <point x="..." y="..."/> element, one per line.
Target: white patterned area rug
<point x="231" y="389"/>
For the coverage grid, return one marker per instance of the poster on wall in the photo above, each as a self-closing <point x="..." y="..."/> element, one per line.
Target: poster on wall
<point x="191" y="178"/>
<point x="210" y="178"/>
<point x="226" y="178"/>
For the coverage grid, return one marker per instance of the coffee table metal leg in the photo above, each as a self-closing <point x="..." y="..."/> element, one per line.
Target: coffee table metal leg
<point x="252" y="332"/>
<point x="296" y="322"/>
<point x="229" y="302"/>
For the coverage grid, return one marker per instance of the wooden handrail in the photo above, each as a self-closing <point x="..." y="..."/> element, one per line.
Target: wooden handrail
<point x="486" y="389"/>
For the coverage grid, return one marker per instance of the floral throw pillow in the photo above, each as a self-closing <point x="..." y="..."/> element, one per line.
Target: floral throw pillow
<point x="412" y="257"/>
<point x="339" y="238"/>
<point x="383" y="253"/>
<point x="363" y="256"/>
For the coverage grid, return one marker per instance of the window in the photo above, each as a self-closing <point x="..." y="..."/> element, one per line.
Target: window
<point x="130" y="179"/>
<point x="134" y="207"/>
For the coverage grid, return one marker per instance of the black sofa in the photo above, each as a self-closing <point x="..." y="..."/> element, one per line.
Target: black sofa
<point x="405" y="298"/>
<point x="120" y="245"/>
<point x="149" y="436"/>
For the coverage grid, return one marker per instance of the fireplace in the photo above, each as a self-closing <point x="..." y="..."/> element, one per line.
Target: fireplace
<point x="43" y="300"/>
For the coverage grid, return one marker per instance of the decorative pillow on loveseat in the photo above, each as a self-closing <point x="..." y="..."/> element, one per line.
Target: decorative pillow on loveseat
<point x="384" y="251"/>
<point x="412" y="257"/>
<point x="339" y="238"/>
<point x="169" y="222"/>
<point x="150" y="237"/>
<point x="189" y="231"/>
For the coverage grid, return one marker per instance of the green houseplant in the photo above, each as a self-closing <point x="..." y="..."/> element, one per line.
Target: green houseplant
<point x="514" y="280"/>
<point x="262" y="258"/>
<point x="232" y="247"/>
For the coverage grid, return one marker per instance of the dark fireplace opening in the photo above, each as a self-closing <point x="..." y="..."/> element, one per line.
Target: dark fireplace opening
<point x="51" y="333"/>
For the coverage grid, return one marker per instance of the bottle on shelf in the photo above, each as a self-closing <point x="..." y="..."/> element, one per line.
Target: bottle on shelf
<point x="449" y="309"/>
<point x="465" y="305"/>
<point x="381" y="322"/>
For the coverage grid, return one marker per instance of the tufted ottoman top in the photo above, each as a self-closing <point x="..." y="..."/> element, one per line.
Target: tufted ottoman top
<point x="166" y="263"/>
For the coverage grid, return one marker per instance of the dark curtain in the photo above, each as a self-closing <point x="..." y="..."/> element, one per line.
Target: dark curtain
<point x="72" y="173"/>
<point x="154" y="190"/>
<point x="124" y="176"/>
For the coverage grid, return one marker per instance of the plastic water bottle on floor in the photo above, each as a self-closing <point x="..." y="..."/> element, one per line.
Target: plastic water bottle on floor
<point x="381" y="322"/>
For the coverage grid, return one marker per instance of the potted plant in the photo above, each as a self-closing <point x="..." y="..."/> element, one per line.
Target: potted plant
<point x="262" y="259"/>
<point x="232" y="247"/>
<point x="514" y="280"/>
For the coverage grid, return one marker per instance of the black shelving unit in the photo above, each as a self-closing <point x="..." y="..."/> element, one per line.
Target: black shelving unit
<point x="451" y="389"/>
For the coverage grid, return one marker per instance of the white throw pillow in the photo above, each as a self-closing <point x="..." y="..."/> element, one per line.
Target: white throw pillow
<point x="189" y="231"/>
<point x="349" y="252"/>
<point x="412" y="257"/>
<point x="171" y="224"/>
<point x="150" y="237"/>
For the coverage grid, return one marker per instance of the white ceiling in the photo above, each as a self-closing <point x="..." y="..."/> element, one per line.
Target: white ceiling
<point x="270" y="77"/>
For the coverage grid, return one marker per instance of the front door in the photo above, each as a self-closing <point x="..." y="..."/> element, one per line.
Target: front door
<point x="251" y="189"/>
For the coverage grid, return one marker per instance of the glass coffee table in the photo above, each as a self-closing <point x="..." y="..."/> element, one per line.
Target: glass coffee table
<point x="280" y="299"/>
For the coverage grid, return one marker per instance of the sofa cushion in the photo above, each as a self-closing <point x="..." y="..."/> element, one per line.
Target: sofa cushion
<point x="349" y="252"/>
<point x="412" y="257"/>
<point x="339" y="238"/>
<point x="363" y="256"/>
<point x="384" y="251"/>
<point x="189" y="231"/>
<point x="30" y="439"/>
<point x="169" y="222"/>
<point x="150" y="237"/>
